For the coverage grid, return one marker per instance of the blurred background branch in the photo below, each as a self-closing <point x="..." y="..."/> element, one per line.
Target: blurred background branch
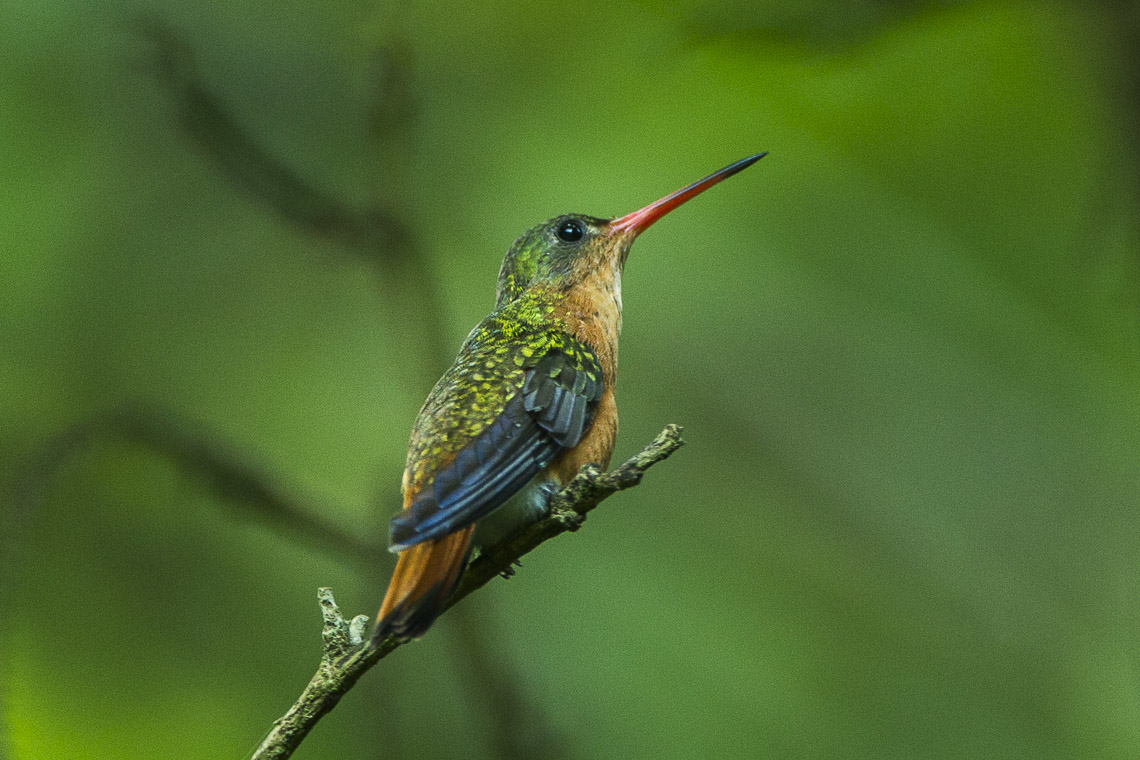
<point x="246" y="488"/>
<point x="375" y="231"/>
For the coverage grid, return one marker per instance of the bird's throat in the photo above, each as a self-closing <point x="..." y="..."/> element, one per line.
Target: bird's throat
<point x="591" y="312"/>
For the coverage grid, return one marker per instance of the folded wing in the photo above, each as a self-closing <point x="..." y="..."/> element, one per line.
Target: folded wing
<point x="551" y="412"/>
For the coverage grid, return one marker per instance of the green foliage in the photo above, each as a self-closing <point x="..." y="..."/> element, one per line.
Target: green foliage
<point x="903" y="347"/>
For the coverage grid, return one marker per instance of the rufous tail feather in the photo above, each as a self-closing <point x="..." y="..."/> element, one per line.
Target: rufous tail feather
<point x="424" y="578"/>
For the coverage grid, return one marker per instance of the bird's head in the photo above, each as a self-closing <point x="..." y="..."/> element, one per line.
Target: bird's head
<point x="561" y="252"/>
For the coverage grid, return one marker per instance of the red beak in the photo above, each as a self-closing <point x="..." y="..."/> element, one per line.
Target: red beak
<point x="639" y="221"/>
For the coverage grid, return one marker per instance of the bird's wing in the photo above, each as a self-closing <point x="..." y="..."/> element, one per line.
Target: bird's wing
<point x="547" y="412"/>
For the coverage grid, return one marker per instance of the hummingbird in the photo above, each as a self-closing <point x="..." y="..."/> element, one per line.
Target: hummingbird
<point x="527" y="403"/>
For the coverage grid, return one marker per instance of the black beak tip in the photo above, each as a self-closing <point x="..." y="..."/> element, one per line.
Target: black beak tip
<point x="744" y="163"/>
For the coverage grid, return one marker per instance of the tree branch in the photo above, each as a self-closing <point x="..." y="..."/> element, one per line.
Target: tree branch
<point x="346" y="658"/>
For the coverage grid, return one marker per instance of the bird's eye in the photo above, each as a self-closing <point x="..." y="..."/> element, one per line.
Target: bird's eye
<point x="569" y="231"/>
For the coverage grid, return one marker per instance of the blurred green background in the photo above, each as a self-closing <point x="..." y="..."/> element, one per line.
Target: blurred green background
<point x="903" y="347"/>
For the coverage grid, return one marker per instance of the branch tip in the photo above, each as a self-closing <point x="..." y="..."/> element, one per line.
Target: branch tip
<point x="329" y="609"/>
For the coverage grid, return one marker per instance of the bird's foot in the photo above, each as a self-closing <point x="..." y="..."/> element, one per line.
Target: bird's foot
<point x="510" y="571"/>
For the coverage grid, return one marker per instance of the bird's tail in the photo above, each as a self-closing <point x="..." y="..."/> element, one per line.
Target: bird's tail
<point x="424" y="578"/>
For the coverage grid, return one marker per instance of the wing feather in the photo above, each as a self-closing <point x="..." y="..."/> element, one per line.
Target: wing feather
<point x="550" y="413"/>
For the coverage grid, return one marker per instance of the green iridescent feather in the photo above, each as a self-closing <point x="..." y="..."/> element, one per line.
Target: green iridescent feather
<point x="488" y="373"/>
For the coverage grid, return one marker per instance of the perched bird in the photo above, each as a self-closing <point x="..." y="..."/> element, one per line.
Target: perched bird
<point x="528" y="402"/>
